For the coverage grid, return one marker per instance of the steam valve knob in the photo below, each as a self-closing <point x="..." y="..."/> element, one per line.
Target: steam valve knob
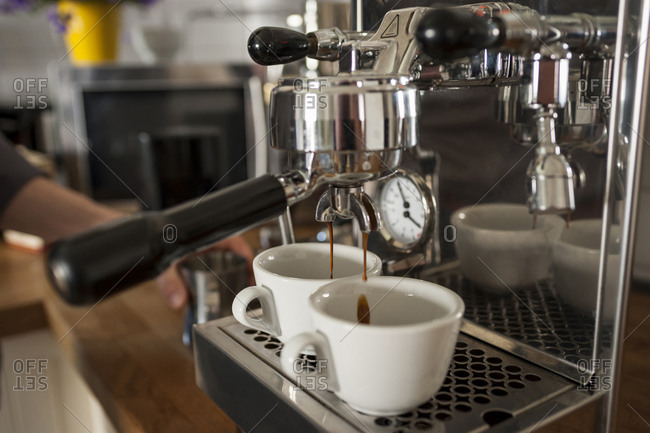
<point x="275" y="46"/>
<point x="447" y="34"/>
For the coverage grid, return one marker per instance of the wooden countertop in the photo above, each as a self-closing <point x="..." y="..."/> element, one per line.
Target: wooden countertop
<point x="128" y="349"/>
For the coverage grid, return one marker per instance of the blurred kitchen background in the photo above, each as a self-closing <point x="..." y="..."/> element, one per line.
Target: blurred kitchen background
<point x="191" y="52"/>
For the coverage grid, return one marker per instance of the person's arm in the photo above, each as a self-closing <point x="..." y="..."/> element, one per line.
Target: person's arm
<point x="32" y="204"/>
<point x="50" y="211"/>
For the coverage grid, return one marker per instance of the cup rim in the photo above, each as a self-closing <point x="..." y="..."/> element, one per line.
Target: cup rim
<point x="370" y="268"/>
<point x="581" y="225"/>
<point x="574" y="247"/>
<point x="588" y="224"/>
<point x="551" y="220"/>
<point x="455" y="314"/>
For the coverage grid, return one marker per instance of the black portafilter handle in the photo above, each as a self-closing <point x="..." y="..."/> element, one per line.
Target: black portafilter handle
<point x="276" y="46"/>
<point x="105" y="260"/>
<point x="447" y="34"/>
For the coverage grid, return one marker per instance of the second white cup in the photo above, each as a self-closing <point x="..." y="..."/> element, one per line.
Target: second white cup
<point x="287" y="275"/>
<point x="391" y="365"/>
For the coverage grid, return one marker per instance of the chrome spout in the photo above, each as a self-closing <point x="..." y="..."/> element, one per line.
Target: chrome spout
<point x="347" y="203"/>
<point x="550" y="178"/>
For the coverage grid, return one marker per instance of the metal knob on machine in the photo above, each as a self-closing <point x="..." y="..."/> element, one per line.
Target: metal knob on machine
<point x="447" y="34"/>
<point x="276" y="46"/>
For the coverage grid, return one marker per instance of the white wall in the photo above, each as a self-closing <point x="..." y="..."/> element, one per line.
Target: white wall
<point x="27" y="44"/>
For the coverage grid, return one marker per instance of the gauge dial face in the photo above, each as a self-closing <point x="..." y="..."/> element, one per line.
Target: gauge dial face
<point x="403" y="211"/>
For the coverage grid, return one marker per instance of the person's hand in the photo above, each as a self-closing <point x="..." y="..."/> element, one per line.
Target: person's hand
<point x="171" y="283"/>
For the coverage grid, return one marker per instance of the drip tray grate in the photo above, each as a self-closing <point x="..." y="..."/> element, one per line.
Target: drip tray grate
<point x="474" y="382"/>
<point x="536" y="316"/>
<point x="484" y="385"/>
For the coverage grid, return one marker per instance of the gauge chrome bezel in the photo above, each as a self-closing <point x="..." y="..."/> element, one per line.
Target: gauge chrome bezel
<point x="427" y="201"/>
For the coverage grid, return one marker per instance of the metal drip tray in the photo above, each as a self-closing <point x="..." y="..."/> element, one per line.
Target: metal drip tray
<point x="485" y="388"/>
<point x="533" y="323"/>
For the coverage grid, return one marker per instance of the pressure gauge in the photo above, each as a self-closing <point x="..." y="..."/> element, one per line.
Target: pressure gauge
<point x="407" y="210"/>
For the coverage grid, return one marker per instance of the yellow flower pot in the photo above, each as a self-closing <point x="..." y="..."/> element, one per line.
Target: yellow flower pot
<point x="92" y="30"/>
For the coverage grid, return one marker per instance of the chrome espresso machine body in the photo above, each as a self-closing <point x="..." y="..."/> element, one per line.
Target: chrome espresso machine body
<point x="567" y="89"/>
<point x="552" y="85"/>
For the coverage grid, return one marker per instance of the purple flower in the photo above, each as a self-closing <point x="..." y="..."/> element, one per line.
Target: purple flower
<point x="58" y="20"/>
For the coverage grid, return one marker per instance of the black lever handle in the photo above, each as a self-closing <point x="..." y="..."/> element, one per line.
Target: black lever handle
<point x="105" y="260"/>
<point x="448" y="34"/>
<point x="275" y="46"/>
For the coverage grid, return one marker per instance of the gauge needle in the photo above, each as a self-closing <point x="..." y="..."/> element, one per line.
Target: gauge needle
<point x="399" y="186"/>
<point x="408" y="215"/>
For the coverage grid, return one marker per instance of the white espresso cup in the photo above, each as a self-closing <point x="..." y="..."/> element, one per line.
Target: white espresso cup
<point x="287" y="275"/>
<point x="576" y="265"/>
<point x="391" y="365"/>
<point x="500" y="250"/>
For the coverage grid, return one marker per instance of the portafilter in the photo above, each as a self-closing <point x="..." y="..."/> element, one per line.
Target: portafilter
<point x="338" y="131"/>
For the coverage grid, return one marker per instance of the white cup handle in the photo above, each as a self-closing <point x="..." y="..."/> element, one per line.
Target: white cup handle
<point x="269" y="322"/>
<point x="292" y="349"/>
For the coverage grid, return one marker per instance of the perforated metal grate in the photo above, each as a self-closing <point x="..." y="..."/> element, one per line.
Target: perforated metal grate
<point x="483" y="387"/>
<point x="535" y="316"/>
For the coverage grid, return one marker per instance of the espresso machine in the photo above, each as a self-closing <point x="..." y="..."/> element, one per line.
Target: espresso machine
<point x="563" y="81"/>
